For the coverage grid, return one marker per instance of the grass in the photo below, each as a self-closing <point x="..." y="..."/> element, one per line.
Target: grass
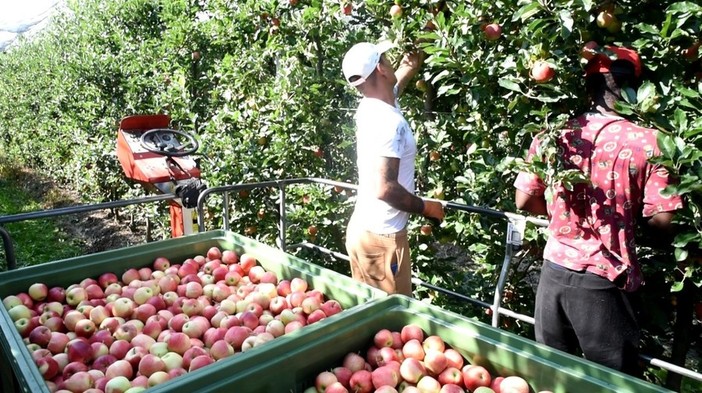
<point x="35" y="241"/>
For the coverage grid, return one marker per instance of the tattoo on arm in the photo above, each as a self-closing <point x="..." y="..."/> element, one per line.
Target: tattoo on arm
<point x="390" y="190"/>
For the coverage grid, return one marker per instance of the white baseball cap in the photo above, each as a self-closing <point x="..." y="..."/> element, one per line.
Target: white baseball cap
<point x="362" y="59"/>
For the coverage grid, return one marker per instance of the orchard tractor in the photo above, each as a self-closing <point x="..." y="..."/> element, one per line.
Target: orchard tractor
<point x="161" y="160"/>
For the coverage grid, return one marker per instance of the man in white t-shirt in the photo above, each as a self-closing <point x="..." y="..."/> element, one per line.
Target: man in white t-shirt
<point x="376" y="238"/>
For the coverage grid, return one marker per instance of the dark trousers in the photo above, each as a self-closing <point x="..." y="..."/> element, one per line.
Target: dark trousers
<point x="583" y="311"/>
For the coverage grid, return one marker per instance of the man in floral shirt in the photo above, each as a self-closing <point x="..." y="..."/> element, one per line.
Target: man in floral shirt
<point x="590" y="255"/>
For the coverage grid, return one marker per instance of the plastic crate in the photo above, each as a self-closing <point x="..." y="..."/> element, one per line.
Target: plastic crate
<point x="16" y="360"/>
<point x="293" y="365"/>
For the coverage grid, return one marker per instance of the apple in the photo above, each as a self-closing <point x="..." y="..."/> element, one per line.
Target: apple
<point x="94" y="291"/>
<point x="119" y="348"/>
<point x="347" y="8"/>
<point x="48" y="367"/>
<point x="455" y="359"/>
<point x="298" y="284"/>
<point x="492" y="31"/>
<point x="229" y="257"/>
<point x="310" y="304"/>
<point x="71" y="368"/>
<point x="429" y="384"/>
<point x="120" y="368"/>
<point x="56" y="294"/>
<point x="141" y="295"/>
<point x="383" y="338"/>
<point x="26" y="299"/>
<point x="221" y="349"/>
<point x="19" y="312"/>
<point x="324" y="379"/>
<point x="395" y="11"/>
<point x="605" y="19"/>
<point x="113" y="289"/>
<point x="411" y="331"/>
<point x="542" y="72"/>
<point x="412" y="370"/>
<point x="435" y="362"/>
<point x="434" y="342"/>
<point x="126" y="332"/>
<point x="199" y="362"/>
<point x="451" y="375"/>
<point x="25" y="326"/>
<point x="85" y="328"/>
<point x="150" y="364"/>
<point x="160" y="348"/>
<point x="178" y="342"/>
<point x="514" y="384"/>
<point x="496" y="383"/>
<point x="38" y="291"/>
<point x="475" y="376"/>
<point x="426" y="229"/>
<point x="79" y="350"/>
<point x="193" y="290"/>
<point x="11" y="301"/>
<point x="57" y="343"/>
<point x="413" y="349"/>
<point x="361" y="381"/>
<point x="385" y="375"/>
<point x="102" y="362"/>
<point x="453" y="388"/>
<point x="123" y="307"/>
<point x="316" y="316"/>
<point x="118" y="384"/>
<point x="79" y="382"/>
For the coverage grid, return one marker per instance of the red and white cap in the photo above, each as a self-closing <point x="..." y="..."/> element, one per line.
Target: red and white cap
<point x="602" y="63"/>
<point x="360" y="61"/>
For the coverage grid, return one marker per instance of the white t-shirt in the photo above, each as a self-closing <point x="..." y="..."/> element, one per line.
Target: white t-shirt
<point x="381" y="131"/>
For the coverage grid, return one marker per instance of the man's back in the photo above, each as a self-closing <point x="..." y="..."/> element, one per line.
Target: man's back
<point x="592" y="227"/>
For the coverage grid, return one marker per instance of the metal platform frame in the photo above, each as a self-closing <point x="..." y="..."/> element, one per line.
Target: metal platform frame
<point x="514" y="234"/>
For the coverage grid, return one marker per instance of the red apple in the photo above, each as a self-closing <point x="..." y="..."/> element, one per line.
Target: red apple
<point x="361" y="381"/>
<point x="514" y="384"/>
<point x="178" y="342"/>
<point x="492" y="31"/>
<point x="56" y="294"/>
<point x="120" y="368"/>
<point x="412" y="370"/>
<point x="451" y="375"/>
<point x="199" y="362"/>
<point x="475" y="376"/>
<point x="38" y="291"/>
<point x="79" y="350"/>
<point x="429" y="384"/>
<point x="542" y="72"/>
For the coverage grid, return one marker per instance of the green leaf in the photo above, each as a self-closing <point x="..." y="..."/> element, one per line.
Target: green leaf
<point x="587" y="4"/>
<point x="510" y="85"/>
<point x="646" y="90"/>
<point x="683" y="7"/>
<point x="680" y="254"/>
<point x="566" y="23"/>
<point x="677" y="286"/>
<point x="667" y="145"/>
<point x="526" y="12"/>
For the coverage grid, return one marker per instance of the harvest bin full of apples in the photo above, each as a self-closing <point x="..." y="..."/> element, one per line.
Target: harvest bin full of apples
<point x="197" y="309"/>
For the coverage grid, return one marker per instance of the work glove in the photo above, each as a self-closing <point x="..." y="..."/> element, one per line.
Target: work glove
<point x="434" y="211"/>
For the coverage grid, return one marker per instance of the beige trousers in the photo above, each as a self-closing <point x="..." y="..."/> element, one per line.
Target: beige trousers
<point x="381" y="261"/>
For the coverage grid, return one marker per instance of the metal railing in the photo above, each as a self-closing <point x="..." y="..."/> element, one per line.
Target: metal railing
<point x="514" y="235"/>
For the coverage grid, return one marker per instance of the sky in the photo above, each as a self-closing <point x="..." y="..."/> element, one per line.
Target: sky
<point x="22" y="16"/>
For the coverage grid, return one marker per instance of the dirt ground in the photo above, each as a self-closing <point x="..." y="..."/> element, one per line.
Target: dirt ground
<point x="96" y="231"/>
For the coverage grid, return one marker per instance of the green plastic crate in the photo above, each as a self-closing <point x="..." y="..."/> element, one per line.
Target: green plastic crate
<point x="16" y="360"/>
<point x="292" y="366"/>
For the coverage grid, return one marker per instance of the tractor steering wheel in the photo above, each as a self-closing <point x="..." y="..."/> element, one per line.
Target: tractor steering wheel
<point x="163" y="141"/>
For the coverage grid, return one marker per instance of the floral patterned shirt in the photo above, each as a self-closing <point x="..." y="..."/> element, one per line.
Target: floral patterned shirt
<point x="592" y="227"/>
